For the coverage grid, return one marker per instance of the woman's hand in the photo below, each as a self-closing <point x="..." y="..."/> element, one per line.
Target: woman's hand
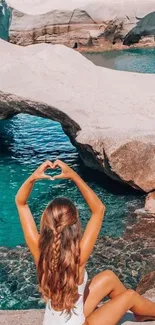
<point x="39" y="173"/>
<point x="66" y="171"/>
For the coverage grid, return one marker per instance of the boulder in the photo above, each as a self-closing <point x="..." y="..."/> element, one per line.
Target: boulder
<point x="144" y="27"/>
<point x="108" y="115"/>
<point x="52" y="22"/>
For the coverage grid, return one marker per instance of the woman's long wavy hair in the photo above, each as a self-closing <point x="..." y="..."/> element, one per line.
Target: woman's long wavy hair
<point x="58" y="267"/>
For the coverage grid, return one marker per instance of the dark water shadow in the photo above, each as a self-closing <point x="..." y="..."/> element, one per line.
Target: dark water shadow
<point x="112" y="186"/>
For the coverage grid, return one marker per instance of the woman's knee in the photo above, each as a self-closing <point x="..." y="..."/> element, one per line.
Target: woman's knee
<point x="130" y="293"/>
<point x="110" y="275"/>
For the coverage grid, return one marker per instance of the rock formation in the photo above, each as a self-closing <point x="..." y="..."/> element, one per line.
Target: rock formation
<point x="77" y="22"/>
<point x="56" y="27"/>
<point x="145" y="27"/>
<point x="108" y="115"/>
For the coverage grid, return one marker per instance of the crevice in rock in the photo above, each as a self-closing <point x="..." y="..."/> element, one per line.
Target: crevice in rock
<point x="68" y="29"/>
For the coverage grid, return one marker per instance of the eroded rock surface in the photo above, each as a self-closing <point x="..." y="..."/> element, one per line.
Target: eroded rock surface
<point x="56" y="27"/>
<point x="108" y="115"/>
<point x="99" y="24"/>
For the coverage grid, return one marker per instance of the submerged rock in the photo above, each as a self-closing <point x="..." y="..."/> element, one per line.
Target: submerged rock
<point x="108" y="115"/>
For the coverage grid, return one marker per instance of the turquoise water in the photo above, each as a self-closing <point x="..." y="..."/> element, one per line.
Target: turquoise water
<point x="138" y="60"/>
<point x="5" y="18"/>
<point x="27" y="141"/>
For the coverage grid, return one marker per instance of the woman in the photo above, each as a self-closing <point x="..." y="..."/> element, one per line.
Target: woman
<point x="61" y="252"/>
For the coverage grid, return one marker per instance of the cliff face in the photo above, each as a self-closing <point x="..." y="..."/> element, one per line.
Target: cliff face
<point x="88" y="24"/>
<point x="56" y="27"/>
<point x="109" y="115"/>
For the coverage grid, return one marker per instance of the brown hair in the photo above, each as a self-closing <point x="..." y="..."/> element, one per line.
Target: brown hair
<point x="58" y="267"/>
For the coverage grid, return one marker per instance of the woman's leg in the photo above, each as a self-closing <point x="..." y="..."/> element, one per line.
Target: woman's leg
<point x="111" y="312"/>
<point x="103" y="284"/>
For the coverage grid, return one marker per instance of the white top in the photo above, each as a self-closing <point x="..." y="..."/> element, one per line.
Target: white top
<point x="53" y="317"/>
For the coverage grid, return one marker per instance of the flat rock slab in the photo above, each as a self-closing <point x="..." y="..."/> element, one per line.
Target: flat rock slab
<point x="21" y="317"/>
<point x="35" y="317"/>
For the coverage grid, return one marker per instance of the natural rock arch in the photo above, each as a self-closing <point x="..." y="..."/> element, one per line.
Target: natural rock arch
<point x="108" y="115"/>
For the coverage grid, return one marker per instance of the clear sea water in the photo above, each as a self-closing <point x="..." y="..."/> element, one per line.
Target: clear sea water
<point x="139" y="60"/>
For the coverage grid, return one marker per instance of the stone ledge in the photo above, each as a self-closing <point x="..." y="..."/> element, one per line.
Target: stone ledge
<point x="21" y="317"/>
<point x="35" y="317"/>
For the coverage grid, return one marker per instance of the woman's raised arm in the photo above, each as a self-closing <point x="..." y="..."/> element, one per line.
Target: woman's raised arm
<point x="27" y="221"/>
<point x="95" y="222"/>
<point x="96" y="206"/>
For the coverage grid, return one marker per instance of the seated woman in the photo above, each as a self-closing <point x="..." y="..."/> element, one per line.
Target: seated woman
<point x="61" y="252"/>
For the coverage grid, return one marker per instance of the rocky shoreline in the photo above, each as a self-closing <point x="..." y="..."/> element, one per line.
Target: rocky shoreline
<point x="117" y="47"/>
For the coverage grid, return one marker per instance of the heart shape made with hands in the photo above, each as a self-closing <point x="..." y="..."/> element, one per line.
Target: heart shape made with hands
<point x="53" y="171"/>
<point x="58" y="164"/>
